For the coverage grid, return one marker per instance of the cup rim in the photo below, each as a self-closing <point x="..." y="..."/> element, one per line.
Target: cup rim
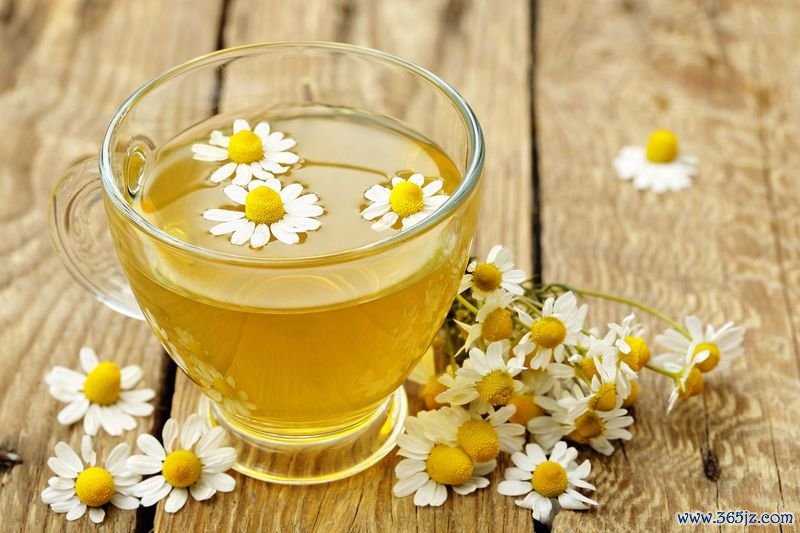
<point x="470" y="178"/>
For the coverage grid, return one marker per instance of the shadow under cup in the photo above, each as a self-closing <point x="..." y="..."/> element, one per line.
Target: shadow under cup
<point x="301" y="359"/>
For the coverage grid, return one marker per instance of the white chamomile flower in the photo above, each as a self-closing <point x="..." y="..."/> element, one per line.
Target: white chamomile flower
<point x="688" y="381"/>
<point x="102" y="397"/>
<point x="560" y="323"/>
<point x="710" y="348"/>
<point x="247" y="153"/>
<point x="81" y="485"/>
<point x="430" y="467"/>
<point x="633" y="349"/>
<point x="485" y="377"/>
<point x="497" y="272"/>
<point x="222" y="389"/>
<point x="548" y="483"/>
<point x="407" y="201"/>
<point x="493" y="321"/>
<point x="657" y="166"/>
<point x="268" y="210"/>
<point x="598" y="428"/>
<point x="483" y="438"/>
<point x="195" y="465"/>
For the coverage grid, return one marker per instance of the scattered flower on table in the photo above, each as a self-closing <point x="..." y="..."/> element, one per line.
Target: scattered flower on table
<point x="430" y="466"/>
<point x="548" y="483"/>
<point x="191" y="460"/>
<point x="658" y="166"/>
<point x="81" y="485"/>
<point x="247" y="153"/>
<point x="406" y="201"/>
<point x="544" y="377"/>
<point x="103" y="395"/>
<point x="269" y="210"/>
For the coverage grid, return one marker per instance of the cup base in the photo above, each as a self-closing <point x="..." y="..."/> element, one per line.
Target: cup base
<point x="314" y="460"/>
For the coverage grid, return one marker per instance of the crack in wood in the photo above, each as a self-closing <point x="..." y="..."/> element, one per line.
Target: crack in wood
<point x="711" y="467"/>
<point x="536" y="221"/>
<point x="9" y="459"/>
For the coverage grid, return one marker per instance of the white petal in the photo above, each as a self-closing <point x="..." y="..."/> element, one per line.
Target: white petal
<point x="73" y="411"/>
<point x="115" y="462"/>
<point x="302" y="210"/>
<point x="285" y="158"/>
<point x="240" y="124"/>
<point x="201" y="491"/>
<point x="191" y="432"/>
<point x="375" y="210"/>
<point x="158" y="494"/>
<point x="432" y="188"/>
<point x="109" y="422"/>
<point x="210" y="441"/>
<point x="301" y="224"/>
<point x="224" y="172"/>
<point x="290" y="192"/>
<point x="169" y="433"/>
<point x="378" y="193"/>
<point x="410" y="485"/>
<point x="150" y="485"/>
<point x="220" y="481"/>
<point x="514" y="487"/>
<point x="219" y="460"/>
<point x="243" y="233"/>
<point x="205" y="152"/>
<point x="259" y="171"/>
<point x="65" y="378"/>
<point x="262" y="129"/>
<point x="68" y="457"/>
<point x="224" y="228"/>
<point x="76" y="512"/>
<point x="385" y="222"/>
<point x="283" y="233"/>
<point x="130" y="376"/>
<point x="88" y="359"/>
<point x="243" y="175"/>
<point x="260" y="236"/>
<point x="236" y="193"/>
<point x="124" y="502"/>
<point x="143" y="464"/>
<point x="176" y="500"/>
<point x="135" y="408"/>
<point x="417" y="179"/>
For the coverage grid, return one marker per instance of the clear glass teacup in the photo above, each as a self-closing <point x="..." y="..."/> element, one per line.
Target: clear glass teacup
<point x="301" y="359"/>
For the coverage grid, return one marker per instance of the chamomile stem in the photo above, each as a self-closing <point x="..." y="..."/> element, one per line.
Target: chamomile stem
<point x="662" y="371"/>
<point x="647" y="309"/>
<point x="467" y="304"/>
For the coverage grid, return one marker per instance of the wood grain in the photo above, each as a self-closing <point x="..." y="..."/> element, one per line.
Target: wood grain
<point x="442" y="36"/>
<point x="64" y="68"/>
<point x="607" y="73"/>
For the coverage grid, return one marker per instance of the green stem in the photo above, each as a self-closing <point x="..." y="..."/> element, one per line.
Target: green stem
<point x="663" y="371"/>
<point x="467" y="304"/>
<point x="649" y="310"/>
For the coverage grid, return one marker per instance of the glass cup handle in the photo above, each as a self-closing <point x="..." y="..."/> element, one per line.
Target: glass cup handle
<point x="79" y="228"/>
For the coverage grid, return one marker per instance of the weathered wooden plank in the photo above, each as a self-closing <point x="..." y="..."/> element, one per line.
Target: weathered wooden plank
<point x="607" y="73"/>
<point x="64" y="67"/>
<point x="485" y="53"/>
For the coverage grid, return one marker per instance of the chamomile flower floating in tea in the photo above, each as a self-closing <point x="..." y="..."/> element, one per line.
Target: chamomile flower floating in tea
<point x="658" y="166"/>
<point x="81" y="484"/>
<point x="103" y="397"/>
<point x="269" y="211"/>
<point x="548" y="483"/>
<point x="191" y="461"/>
<point x="563" y="381"/>
<point x="559" y="323"/>
<point x="496" y="272"/>
<point x="430" y="467"/>
<point x="407" y="201"/>
<point x="247" y="153"/>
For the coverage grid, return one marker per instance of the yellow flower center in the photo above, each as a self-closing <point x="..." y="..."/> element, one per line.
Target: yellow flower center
<point x="406" y="199"/>
<point x="526" y="408"/>
<point x="245" y="147"/>
<point x="479" y="439"/>
<point x="548" y="332"/>
<point x="102" y="385"/>
<point x="497" y="325"/>
<point x="182" y="468"/>
<point x="263" y="205"/>
<point x="449" y="465"/>
<point x="588" y="367"/>
<point x="487" y="277"/>
<point x="711" y="362"/>
<point x="430" y="391"/>
<point x="605" y="399"/>
<point x="587" y="426"/>
<point x="496" y="387"/>
<point x="639" y="354"/>
<point x="693" y="384"/>
<point x="662" y="146"/>
<point x="549" y="479"/>
<point x="631" y="399"/>
<point x="94" y="486"/>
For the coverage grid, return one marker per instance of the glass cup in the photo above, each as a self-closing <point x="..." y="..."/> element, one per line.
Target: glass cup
<point x="301" y="360"/>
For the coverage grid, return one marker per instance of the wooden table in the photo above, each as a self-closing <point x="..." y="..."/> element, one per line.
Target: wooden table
<point x="559" y="86"/>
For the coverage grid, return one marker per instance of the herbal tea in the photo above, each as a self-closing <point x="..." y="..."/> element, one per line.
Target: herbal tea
<point x="284" y="348"/>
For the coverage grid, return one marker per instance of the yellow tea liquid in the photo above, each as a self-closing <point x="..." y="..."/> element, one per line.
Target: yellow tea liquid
<point x="292" y="349"/>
